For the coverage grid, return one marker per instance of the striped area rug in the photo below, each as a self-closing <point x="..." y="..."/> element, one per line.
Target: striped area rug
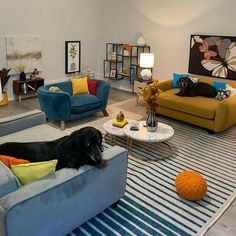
<point x="151" y="206"/>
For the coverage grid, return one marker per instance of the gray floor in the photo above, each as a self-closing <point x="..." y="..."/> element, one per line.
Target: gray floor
<point x="226" y="225"/>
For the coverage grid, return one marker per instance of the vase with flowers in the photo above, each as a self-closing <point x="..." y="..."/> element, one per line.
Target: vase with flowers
<point x="151" y="93"/>
<point x="21" y="69"/>
<point x="4" y="77"/>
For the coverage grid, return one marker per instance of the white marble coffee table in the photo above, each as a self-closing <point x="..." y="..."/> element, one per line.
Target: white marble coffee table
<point x="113" y="131"/>
<point x="164" y="133"/>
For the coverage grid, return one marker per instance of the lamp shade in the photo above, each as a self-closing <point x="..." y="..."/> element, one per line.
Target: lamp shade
<point x="146" y="60"/>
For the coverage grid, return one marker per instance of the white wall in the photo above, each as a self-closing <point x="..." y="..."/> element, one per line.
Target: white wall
<point x="56" y="21"/>
<point x="166" y="25"/>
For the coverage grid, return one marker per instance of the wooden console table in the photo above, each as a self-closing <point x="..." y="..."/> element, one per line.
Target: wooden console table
<point x="27" y="87"/>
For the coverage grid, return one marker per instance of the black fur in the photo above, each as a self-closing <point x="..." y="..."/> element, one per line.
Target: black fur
<point x="190" y="89"/>
<point x="82" y="147"/>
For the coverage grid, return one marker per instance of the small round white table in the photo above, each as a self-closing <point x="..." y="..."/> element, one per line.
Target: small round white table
<point x="113" y="131"/>
<point x="164" y="133"/>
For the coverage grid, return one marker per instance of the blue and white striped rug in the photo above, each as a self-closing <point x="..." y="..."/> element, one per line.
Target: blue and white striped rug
<point x="151" y="206"/>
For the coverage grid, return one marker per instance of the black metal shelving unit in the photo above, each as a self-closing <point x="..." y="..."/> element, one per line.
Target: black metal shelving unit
<point x="122" y="61"/>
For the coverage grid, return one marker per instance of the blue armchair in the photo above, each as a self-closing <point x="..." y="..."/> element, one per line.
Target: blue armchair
<point x="62" y="106"/>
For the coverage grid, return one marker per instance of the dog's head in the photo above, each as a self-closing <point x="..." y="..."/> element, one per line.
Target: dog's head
<point x="184" y="82"/>
<point x="88" y="141"/>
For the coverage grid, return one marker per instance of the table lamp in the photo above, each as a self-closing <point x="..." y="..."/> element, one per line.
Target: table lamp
<point x="146" y="62"/>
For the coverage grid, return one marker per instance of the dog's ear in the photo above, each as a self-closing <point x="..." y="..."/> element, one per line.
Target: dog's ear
<point x="100" y="138"/>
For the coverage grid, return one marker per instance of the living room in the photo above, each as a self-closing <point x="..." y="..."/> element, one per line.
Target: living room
<point x="166" y="27"/>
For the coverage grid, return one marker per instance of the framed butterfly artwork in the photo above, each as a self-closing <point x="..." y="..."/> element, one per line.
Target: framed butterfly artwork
<point x="213" y="56"/>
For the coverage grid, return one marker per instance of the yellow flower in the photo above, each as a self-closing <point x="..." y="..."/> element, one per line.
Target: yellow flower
<point x="21" y="67"/>
<point x="151" y="93"/>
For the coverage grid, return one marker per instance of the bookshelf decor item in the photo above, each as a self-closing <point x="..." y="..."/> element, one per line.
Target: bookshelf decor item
<point x="72" y="56"/>
<point x="213" y="56"/>
<point x="123" y="61"/>
<point x="113" y="73"/>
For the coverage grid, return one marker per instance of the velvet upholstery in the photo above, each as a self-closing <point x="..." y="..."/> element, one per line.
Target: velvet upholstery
<point x="208" y="113"/>
<point x="59" y="203"/>
<point x="60" y="106"/>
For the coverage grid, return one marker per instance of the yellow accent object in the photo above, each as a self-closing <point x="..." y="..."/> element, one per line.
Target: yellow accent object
<point x="4" y="100"/>
<point x="79" y="85"/>
<point x="191" y="185"/>
<point x="27" y="173"/>
<point x="119" y="124"/>
<point x="208" y="113"/>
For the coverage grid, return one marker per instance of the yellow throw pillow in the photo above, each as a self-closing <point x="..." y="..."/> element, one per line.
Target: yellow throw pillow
<point x="79" y="85"/>
<point x="27" y="173"/>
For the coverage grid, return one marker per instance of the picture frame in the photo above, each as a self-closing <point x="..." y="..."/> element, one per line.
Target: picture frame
<point x="72" y="56"/>
<point x="213" y="56"/>
<point x="112" y="73"/>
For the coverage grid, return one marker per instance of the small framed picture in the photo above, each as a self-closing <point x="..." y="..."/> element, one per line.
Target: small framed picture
<point x="72" y="56"/>
<point x="112" y="73"/>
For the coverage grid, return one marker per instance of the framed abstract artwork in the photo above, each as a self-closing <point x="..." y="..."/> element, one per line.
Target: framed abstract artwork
<point x="72" y="55"/>
<point x="213" y="56"/>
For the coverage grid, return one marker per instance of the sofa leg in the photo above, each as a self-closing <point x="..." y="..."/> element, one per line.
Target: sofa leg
<point x="105" y="113"/>
<point x="62" y="125"/>
<point x="210" y="131"/>
<point x="115" y="204"/>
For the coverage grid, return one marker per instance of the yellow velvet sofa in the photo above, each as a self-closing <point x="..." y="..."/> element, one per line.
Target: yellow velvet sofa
<point x="208" y="113"/>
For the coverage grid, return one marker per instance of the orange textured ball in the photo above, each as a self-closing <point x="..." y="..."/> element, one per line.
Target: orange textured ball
<point x="191" y="185"/>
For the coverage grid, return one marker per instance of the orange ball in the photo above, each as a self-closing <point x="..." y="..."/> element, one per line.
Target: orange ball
<point x="191" y="185"/>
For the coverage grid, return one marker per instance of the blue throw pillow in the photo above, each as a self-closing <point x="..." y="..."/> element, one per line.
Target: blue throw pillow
<point x="176" y="78"/>
<point x="219" y="85"/>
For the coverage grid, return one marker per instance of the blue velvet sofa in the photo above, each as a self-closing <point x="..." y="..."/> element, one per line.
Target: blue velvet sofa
<point x="62" y="106"/>
<point x="58" y="203"/>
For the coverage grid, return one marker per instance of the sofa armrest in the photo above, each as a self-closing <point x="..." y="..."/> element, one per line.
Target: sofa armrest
<point x="56" y="105"/>
<point x="69" y="197"/>
<point x="21" y="121"/>
<point x="225" y="114"/>
<point x="103" y="90"/>
<point x="165" y="84"/>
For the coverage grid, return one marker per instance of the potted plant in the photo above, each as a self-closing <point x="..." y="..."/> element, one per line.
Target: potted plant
<point x="72" y="52"/>
<point x="4" y="77"/>
<point x="21" y="69"/>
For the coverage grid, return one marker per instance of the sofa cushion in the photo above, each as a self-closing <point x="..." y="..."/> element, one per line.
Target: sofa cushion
<point x="8" y="182"/>
<point x="84" y="102"/>
<point x="197" y="106"/>
<point x="79" y="85"/>
<point x="9" y="161"/>
<point x="27" y="173"/>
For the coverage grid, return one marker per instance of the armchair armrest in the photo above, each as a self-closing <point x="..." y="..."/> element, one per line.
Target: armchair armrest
<point x="69" y="197"/>
<point x="165" y="84"/>
<point x="225" y="114"/>
<point x="103" y="90"/>
<point x="56" y="105"/>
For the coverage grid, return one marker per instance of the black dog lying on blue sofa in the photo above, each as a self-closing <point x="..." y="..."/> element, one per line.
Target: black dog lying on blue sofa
<point x="81" y="147"/>
<point x="190" y="89"/>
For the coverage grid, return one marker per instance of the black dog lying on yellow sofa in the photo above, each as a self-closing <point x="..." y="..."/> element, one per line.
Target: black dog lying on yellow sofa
<point x="81" y="147"/>
<point x="190" y="89"/>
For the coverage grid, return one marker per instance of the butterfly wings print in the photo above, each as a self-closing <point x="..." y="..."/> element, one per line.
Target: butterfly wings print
<point x="220" y="68"/>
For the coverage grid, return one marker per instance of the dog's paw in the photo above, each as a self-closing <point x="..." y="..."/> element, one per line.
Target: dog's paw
<point x="103" y="163"/>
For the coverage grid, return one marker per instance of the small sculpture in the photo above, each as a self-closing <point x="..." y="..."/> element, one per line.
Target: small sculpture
<point x="34" y="74"/>
<point x="141" y="41"/>
<point x="120" y="117"/>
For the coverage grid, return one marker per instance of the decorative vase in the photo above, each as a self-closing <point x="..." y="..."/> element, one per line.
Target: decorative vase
<point x="141" y="41"/>
<point x="4" y="100"/>
<point x="22" y="76"/>
<point x="151" y="121"/>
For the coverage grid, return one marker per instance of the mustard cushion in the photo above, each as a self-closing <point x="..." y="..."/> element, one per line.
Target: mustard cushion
<point x="27" y="173"/>
<point x="189" y="105"/>
<point x="79" y="85"/>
